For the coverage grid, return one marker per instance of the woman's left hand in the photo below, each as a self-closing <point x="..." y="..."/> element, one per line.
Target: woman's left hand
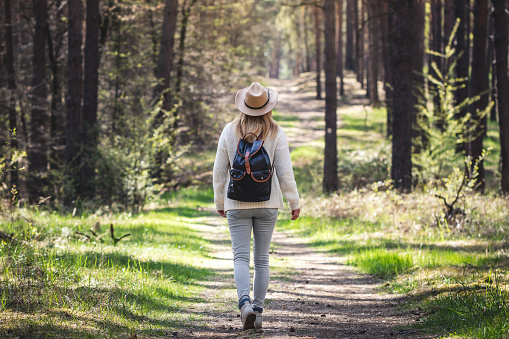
<point x="295" y="213"/>
<point x="221" y="212"/>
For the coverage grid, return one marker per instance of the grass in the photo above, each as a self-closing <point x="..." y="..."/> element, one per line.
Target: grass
<point x="61" y="284"/>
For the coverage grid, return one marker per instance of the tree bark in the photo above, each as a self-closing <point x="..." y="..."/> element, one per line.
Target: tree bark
<point x="437" y="46"/>
<point x="339" y="58"/>
<point x="306" y="39"/>
<point x="501" y="51"/>
<point x="318" y="54"/>
<point x="89" y="127"/>
<point x="386" y="29"/>
<point x="330" y="173"/>
<point x="11" y="84"/>
<point x="360" y="55"/>
<point x="57" y="120"/>
<point x="403" y="34"/>
<point x="37" y="155"/>
<point x="374" y="49"/>
<point x="349" y="58"/>
<point x="165" y="60"/>
<point x="480" y="85"/>
<point x="463" y="50"/>
<point x="74" y="97"/>
<point x="186" y="12"/>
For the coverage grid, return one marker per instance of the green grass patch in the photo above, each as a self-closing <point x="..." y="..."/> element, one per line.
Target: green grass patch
<point x="55" y="282"/>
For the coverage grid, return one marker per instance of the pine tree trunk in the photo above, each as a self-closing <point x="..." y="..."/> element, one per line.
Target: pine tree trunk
<point x="402" y="13"/>
<point x="436" y="46"/>
<point x="385" y="29"/>
<point x="359" y="46"/>
<point x="480" y="85"/>
<point x="11" y="83"/>
<point x="374" y="55"/>
<point x="339" y="58"/>
<point x="57" y="120"/>
<point x="350" y="31"/>
<point x="186" y="12"/>
<point x="37" y="155"/>
<point x="306" y="39"/>
<point x="318" y="60"/>
<point x="73" y="101"/>
<point x="165" y="60"/>
<point x="89" y="127"/>
<point x="330" y="172"/>
<point x="491" y="65"/>
<point x="463" y="49"/>
<point x="501" y="50"/>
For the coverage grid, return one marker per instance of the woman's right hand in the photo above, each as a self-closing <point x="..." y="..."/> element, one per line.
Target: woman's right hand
<point x="221" y="212"/>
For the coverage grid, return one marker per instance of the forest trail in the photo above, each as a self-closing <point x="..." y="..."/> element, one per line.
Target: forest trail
<point x="311" y="294"/>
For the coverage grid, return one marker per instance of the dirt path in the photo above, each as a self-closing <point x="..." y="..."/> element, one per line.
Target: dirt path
<point x="312" y="294"/>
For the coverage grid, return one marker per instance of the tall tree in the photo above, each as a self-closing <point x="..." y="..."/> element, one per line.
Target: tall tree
<point x="186" y="12"/>
<point x="37" y="155"/>
<point x="11" y="80"/>
<point x="89" y="128"/>
<point x="339" y="57"/>
<point x="385" y="29"/>
<point x="306" y="39"/>
<point x="402" y="13"/>
<point x="463" y="50"/>
<point x="437" y="46"/>
<point x="73" y="100"/>
<point x="165" y="60"/>
<point x="501" y="51"/>
<point x="318" y="53"/>
<point x="480" y="85"/>
<point x="350" y="31"/>
<point x="374" y="51"/>
<point x="330" y="172"/>
<point x="360" y="54"/>
<point x="57" y="119"/>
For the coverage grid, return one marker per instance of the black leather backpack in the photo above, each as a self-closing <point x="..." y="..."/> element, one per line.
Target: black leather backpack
<point x="251" y="172"/>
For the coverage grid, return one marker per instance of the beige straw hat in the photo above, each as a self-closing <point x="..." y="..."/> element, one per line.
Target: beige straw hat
<point x="256" y="100"/>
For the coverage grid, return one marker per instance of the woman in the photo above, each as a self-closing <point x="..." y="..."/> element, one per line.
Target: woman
<point x="255" y="104"/>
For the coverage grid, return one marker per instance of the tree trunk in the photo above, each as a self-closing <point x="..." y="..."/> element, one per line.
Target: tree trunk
<point x="11" y="84"/>
<point x="89" y="127"/>
<point x="276" y="55"/>
<point x="57" y="120"/>
<point x="359" y="46"/>
<point x="480" y="85"/>
<point x="386" y="29"/>
<point x="73" y="101"/>
<point x="339" y="59"/>
<point x="491" y="65"/>
<point x="306" y="39"/>
<point x="350" y="31"/>
<point x="330" y="172"/>
<point x="436" y="46"/>
<point x="463" y="50"/>
<point x="318" y="53"/>
<point x="501" y="51"/>
<point x="403" y="35"/>
<point x="186" y="12"/>
<point x="374" y="50"/>
<point x="37" y="155"/>
<point x="165" y="60"/>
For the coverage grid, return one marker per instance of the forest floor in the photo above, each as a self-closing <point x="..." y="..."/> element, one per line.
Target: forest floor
<point x="311" y="294"/>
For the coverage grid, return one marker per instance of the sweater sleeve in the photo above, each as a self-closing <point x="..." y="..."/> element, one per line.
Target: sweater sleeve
<point x="219" y="174"/>
<point x="284" y="171"/>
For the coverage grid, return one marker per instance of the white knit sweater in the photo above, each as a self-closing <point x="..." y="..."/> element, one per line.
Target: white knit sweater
<point x="282" y="181"/>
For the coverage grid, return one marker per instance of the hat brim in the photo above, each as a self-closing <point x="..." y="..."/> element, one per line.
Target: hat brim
<point x="241" y="105"/>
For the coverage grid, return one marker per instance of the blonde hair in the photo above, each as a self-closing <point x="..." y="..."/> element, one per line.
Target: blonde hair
<point x="263" y="124"/>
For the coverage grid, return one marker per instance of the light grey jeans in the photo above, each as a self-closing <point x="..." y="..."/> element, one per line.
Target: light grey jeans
<point x="262" y="221"/>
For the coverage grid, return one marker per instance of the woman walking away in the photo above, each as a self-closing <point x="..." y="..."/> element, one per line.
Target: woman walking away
<point x="251" y="171"/>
